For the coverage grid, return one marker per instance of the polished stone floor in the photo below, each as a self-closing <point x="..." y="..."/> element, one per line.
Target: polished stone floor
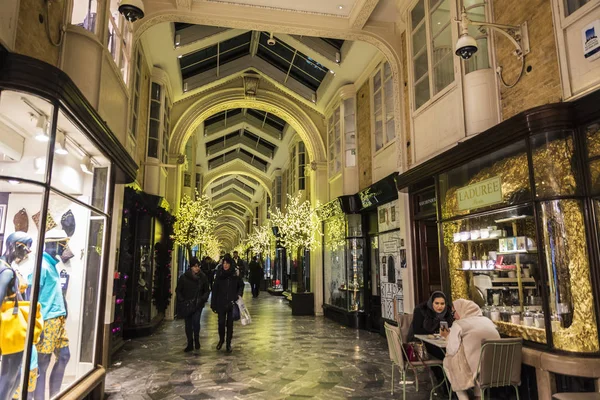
<point x="276" y="357"/>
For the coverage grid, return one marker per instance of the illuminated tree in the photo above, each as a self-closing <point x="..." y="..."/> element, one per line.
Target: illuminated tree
<point x="213" y="247"/>
<point x="299" y="229"/>
<point x="195" y="222"/>
<point x="260" y="239"/>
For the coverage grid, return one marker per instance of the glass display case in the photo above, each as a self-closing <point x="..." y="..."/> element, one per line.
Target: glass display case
<point x="514" y="237"/>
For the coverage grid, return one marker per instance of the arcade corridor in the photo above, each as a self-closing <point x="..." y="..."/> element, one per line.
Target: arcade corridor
<point x="276" y="357"/>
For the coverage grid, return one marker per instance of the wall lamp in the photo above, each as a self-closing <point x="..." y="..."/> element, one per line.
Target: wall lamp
<point x="518" y="35"/>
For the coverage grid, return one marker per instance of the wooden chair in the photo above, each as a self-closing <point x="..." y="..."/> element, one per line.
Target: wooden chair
<point x="499" y="364"/>
<point x="399" y="359"/>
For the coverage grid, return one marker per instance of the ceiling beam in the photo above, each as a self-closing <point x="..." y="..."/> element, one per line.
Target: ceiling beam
<point x="208" y="41"/>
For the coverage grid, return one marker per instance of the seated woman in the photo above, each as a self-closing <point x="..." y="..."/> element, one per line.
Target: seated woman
<point x="464" y="346"/>
<point x="427" y="317"/>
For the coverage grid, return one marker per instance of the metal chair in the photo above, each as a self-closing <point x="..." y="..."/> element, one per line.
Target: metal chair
<point x="499" y="364"/>
<point x="400" y="359"/>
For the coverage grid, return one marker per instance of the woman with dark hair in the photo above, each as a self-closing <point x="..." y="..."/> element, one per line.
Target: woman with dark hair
<point x="427" y="317"/>
<point x="228" y="286"/>
<point x="193" y="285"/>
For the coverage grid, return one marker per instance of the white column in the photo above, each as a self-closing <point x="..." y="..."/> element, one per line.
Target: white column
<point x="318" y="193"/>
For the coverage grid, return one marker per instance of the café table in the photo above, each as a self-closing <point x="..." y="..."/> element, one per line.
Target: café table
<point x="440" y="342"/>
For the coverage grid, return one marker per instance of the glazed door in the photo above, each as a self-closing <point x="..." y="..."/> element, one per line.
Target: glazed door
<point x="428" y="259"/>
<point x="374" y="321"/>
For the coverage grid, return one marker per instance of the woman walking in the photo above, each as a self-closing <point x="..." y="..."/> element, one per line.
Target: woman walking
<point x="228" y="286"/>
<point x="193" y="285"/>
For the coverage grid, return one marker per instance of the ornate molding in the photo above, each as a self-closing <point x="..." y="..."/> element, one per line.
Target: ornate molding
<point x="184" y="4"/>
<point x="251" y="85"/>
<point x="265" y="100"/>
<point x="277" y="9"/>
<point x="360" y="15"/>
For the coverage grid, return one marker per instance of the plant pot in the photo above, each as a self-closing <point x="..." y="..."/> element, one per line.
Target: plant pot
<point x="303" y="303"/>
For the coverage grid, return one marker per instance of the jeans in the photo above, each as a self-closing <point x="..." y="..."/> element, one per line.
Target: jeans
<point x="255" y="288"/>
<point x="56" y="376"/>
<point x="192" y="325"/>
<point x="10" y="371"/>
<point x="226" y="316"/>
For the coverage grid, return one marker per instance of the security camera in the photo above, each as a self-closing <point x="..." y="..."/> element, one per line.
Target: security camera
<point x="271" y="41"/>
<point x="466" y="46"/>
<point x="132" y="9"/>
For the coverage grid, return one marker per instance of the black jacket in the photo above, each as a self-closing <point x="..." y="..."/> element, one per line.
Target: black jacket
<point x="190" y="285"/>
<point x="255" y="272"/>
<point x="226" y="289"/>
<point x="424" y="321"/>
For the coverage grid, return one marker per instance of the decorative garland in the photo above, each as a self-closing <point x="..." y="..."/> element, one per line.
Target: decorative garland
<point x="135" y="203"/>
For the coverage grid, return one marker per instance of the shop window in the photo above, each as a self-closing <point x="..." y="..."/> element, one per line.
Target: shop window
<point x="573" y="5"/>
<point x="382" y="115"/>
<point x="301" y="166"/>
<point x="119" y="39"/>
<point x="334" y="143"/>
<point x="432" y="48"/>
<point x="476" y="11"/>
<point x="65" y="215"/>
<point x="85" y="14"/>
<point x="135" y="103"/>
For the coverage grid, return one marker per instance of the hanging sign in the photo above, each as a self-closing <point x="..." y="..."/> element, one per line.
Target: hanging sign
<point x="480" y="194"/>
<point x="591" y="43"/>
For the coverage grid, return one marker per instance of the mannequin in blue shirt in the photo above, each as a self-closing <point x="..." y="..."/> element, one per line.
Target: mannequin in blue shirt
<point x="18" y="246"/>
<point x="54" y="339"/>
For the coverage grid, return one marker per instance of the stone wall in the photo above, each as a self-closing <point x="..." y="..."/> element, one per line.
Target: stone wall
<point x="541" y="84"/>
<point x="363" y="125"/>
<point x="32" y="39"/>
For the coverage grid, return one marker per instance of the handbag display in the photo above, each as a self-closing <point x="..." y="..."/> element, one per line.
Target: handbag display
<point x="14" y="316"/>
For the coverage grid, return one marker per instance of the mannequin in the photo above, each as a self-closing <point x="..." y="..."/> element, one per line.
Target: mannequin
<point x="54" y="338"/>
<point x="18" y="247"/>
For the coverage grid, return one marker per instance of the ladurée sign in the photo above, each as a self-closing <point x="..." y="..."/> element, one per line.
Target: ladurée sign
<point x="480" y="194"/>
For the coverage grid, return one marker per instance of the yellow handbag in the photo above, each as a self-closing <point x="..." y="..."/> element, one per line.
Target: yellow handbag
<point x="14" y="316"/>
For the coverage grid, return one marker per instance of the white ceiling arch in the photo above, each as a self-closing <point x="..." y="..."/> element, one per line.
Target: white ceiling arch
<point x="234" y="201"/>
<point x="237" y="167"/>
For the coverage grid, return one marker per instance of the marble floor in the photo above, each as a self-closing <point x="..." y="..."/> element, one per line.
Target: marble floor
<point x="278" y="356"/>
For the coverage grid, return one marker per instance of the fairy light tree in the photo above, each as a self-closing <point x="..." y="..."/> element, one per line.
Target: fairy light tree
<point x="299" y="229"/>
<point x="213" y="247"/>
<point x="260" y="240"/>
<point x="195" y="222"/>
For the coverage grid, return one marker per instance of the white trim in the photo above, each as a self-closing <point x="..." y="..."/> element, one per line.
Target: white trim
<point x="581" y="12"/>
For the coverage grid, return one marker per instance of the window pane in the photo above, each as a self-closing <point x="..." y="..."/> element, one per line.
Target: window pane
<point x="573" y="5"/>
<point x="377" y="101"/>
<point x="155" y="93"/>
<point x="377" y="81"/>
<point x="24" y="135"/>
<point x="390" y="130"/>
<point x="479" y="60"/>
<point x="443" y="73"/>
<point x="387" y="71"/>
<point x="334" y="262"/>
<point x="440" y="17"/>
<point x="421" y="92"/>
<point x="153" y="148"/>
<point x="570" y="290"/>
<point x="417" y="14"/>
<point x="421" y="66"/>
<point x="18" y="242"/>
<point x="76" y="160"/>
<point x="84" y="14"/>
<point x="419" y="40"/>
<point x="554" y="164"/>
<point x="378" y="133"/>
<point x="389" y="99"/>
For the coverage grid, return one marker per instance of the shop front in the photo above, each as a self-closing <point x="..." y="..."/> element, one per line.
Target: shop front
<point x="59" y="164"/>
<point x="518" y="220"/>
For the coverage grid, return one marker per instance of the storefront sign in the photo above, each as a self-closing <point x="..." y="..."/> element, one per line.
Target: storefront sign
<point x="591" y="43"/>
<point x="480" y="194"/>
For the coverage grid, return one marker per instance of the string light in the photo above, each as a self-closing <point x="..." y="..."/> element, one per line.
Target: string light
<point x="299" y="227"/>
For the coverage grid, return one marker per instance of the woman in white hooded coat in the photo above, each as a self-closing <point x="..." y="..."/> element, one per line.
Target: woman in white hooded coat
<point x="469" y="329"/>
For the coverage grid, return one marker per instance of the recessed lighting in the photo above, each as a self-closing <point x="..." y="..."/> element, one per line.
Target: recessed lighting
<point x="13" y="182"/>
<point x="332" y="71"/>
<point x="179" y="56"/>
<point x="341" y="7"/>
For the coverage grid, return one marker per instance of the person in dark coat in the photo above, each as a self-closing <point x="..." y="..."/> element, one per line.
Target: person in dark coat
<point x="240" y="264"/>
<point x="227" y="288"/>
<point x="427" y="317"/>
<point x="205" y="267"/>
<point x="255" y="276"/>
<point x="193" y="284"/>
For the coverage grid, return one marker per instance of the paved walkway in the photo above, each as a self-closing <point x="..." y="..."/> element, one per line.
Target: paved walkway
<point x="276" y="357"/>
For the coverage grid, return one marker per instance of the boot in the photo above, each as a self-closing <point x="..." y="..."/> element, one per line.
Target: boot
<point x="189" y="347"/>
<point x="228" y="348"/>
<point x="220" y="344"/>
<point x="197" y="341"/>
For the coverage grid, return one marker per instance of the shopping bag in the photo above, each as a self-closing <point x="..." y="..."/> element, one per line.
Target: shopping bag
<point x="236" y="311"/>
<point x="14" y="316"/>
<point x="245" y="318"/>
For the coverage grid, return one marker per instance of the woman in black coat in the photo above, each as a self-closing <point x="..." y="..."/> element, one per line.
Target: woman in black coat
<point x="193" y="284"/>
<point x="228" y="286"/>
<point x="427" y="317"/>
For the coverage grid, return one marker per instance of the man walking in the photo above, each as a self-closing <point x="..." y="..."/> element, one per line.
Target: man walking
<point x="255" y="275"/>
<point x="241" y="265"/>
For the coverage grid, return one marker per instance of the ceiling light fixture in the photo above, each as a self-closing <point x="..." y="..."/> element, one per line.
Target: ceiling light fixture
<point x="332" y="71"/>
<point x="39" y="165"/>
<point x="185" y="86"/>
<point x="177" y="40"/>
<point x="271" y="41"/>
<point x="86" y="165"/>
<point x="313" y="98"/>
<point x="341" y="7"/>
<point x="338" y="57"/>
<point x="179" y="56"/>
<point x="41" y="133"/>
<point x="60" y="146"/>
<point x="13" y="182"/>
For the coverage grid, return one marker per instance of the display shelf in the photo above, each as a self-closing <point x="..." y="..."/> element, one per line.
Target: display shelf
<point x="504" y="253"/>
<point x="511" y="219"/>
